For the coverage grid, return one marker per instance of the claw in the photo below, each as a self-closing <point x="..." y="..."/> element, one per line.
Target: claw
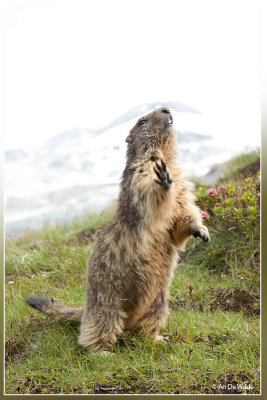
<point x="164" y="167"/>
<point x="158" y="166"/>
<point x="158" y="173"/>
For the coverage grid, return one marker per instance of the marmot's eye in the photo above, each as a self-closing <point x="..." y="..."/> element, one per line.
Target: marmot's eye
<point x="142" y="122"/>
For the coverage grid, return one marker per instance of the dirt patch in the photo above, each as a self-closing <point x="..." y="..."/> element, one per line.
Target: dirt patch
<point x="14" y="351"/>
<point x="234" y="383"/>
<point x="235" y="299"/>
<point x="231" y="382"/>
<point x="31" y="386"/>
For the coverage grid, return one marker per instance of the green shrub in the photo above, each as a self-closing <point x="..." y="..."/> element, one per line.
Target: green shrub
<point x="232" y="208"/>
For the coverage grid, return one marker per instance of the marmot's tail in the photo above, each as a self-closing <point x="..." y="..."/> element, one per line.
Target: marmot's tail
<point x="53" y="308"/>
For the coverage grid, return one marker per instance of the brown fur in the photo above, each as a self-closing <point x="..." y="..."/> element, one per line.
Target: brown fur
<point x="132" y="264"/>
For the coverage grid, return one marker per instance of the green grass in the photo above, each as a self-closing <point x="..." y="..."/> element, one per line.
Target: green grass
<point x="240" y="161"/>
<point x="214" y="317"/>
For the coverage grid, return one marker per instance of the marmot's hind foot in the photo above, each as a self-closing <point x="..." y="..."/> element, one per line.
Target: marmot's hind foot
<point x="162" y="173"/>
<point x="165" y="338"/>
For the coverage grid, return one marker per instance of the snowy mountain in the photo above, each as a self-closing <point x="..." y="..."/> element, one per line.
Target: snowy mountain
<point x="79" y="170"/>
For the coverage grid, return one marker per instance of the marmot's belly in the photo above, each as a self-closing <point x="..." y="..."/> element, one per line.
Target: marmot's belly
<point x="141" y="293"/>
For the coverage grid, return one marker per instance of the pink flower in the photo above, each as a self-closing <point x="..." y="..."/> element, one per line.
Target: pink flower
<point x="212" y="191"/>
<point x="204" y="214"/>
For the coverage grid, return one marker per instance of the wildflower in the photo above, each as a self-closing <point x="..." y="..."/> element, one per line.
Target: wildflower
<point x="218" y="211"/>
<point x="212" y="192"/>
<point x="204" y="214"/>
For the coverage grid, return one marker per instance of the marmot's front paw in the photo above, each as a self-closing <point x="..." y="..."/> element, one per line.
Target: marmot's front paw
<point x="201" y="232"/>
<point x="164" y="178"/>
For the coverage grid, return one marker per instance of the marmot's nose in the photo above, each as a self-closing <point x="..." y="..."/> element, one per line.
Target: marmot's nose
<point x="165" y="110"/>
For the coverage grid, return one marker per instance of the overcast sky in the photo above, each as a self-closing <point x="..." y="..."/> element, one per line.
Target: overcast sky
<point x="83" y="66"/>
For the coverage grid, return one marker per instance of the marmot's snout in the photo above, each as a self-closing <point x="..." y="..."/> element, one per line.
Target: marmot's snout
<point x="168" y="114"/>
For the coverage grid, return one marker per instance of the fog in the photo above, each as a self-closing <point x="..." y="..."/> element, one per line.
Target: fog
<point x="71" y="69"/>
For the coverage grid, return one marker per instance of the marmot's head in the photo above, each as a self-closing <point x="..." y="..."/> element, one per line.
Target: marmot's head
<point x="152" y="133"/>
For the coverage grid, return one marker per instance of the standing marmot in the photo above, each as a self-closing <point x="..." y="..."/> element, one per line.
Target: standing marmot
<point x="132" y="264"/>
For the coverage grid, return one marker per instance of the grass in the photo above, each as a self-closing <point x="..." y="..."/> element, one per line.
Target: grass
<point x="214" y="321"/>
<point x="240" y="161"/>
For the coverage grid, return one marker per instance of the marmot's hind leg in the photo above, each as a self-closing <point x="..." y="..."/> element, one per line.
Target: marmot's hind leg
<point x="100" y="329"/>
<point x="154" y="318"/>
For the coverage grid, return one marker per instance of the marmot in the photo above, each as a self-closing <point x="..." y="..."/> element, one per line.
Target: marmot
<point x="132" y="264"/>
